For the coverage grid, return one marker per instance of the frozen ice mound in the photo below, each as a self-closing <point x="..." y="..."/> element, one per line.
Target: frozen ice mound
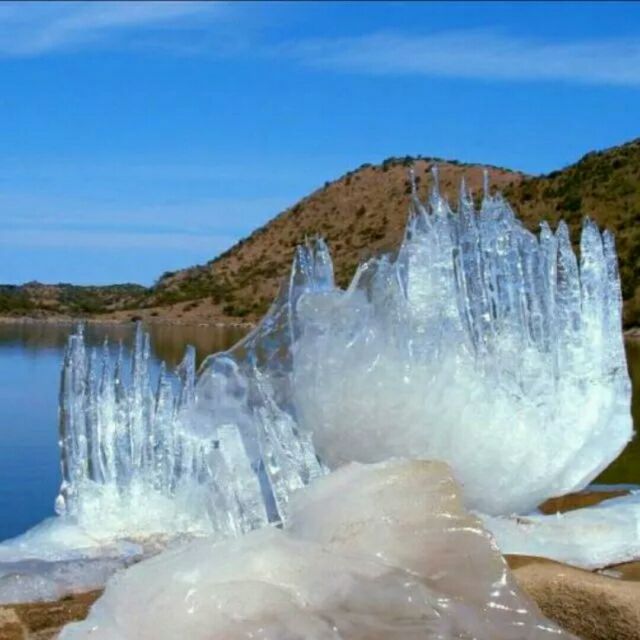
<point x="400" y="557"/>
<point x="479" y="343"/>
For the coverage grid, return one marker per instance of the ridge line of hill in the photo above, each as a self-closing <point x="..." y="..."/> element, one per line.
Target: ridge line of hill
<point x="361" y="213"/>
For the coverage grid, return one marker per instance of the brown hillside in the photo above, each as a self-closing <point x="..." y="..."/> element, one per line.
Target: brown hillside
<point x="362" y="213"/>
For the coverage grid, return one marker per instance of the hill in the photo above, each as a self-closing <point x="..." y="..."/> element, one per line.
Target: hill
<point x="35" y="299"/>
<point x="361" y="213"/>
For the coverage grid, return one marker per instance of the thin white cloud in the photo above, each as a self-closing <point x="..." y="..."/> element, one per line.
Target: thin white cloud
<point x="219" y="215"/>
<point x="34" y="28"/>
<point x="184" y="27"/>
<point x="474" y="54"/>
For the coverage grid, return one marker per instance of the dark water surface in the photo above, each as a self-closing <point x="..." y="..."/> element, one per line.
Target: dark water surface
<point x="30" y="359"/>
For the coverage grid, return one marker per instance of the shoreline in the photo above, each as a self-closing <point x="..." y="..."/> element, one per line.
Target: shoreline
<point x="66" y="320"/>
<point x="632" y="333"/>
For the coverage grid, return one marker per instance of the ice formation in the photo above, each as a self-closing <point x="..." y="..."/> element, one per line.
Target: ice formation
<point x="130" y="467"/>
<point x="127" y="466"/>
<point x="399" y="558"/>
<point x="478" y="343"/>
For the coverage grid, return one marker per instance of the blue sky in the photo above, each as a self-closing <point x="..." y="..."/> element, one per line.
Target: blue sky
<point x="139" y="137"/>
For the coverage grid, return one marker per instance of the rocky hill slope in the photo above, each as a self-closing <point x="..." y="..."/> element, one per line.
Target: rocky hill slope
<point x="364" y="212"/>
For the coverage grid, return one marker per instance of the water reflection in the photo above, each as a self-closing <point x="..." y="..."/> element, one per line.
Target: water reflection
<point x="168" y="341"/>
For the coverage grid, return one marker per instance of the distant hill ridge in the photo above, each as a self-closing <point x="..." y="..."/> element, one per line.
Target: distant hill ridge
<point x="359" y="214"/>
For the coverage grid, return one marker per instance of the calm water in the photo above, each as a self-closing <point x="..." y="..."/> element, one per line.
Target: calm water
<point x="30" y="358"/>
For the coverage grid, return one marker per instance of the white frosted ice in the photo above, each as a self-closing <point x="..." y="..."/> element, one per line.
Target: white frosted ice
<point x="591" y="538"/>
<point x="399" y="558"/>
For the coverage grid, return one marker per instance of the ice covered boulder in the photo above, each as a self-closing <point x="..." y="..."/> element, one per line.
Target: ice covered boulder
<point x="370" y="552"/>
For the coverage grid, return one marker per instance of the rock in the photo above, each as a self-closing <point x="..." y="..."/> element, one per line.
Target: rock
<point x="579" y="500"/>
<point x="43" y="620"/>
<point x="593" y="606"/>
<point x="10" y="625"/>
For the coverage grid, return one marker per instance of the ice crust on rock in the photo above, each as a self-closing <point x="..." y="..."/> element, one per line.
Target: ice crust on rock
<point x="591" y="538"/>
<point x="399" y="558"/>
<point x="57" y="558"/>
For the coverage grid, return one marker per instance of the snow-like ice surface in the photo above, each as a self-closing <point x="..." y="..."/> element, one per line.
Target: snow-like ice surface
<point x="399" y="558"/>
<point x="591" y="538"/>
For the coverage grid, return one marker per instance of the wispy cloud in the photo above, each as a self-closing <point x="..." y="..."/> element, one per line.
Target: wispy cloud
<point x="35" y="28"/>
<point x="228" y="216"/>
<point x="185" y="27"/>
<point x="474" y="54"/>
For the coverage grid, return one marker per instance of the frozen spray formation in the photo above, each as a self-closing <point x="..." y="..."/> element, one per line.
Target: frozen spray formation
<point x="128" y="468"/>
<point x="479" y="343"/>
<point x="140" y="459"/>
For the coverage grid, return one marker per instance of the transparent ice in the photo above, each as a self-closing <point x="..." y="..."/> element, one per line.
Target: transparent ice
<point x="480" y="344"/>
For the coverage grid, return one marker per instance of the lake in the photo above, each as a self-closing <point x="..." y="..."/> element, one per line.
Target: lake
<point x="30" y="359"/>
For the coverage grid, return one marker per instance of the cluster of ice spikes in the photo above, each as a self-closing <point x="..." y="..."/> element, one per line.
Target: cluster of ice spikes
<point x="478" y="343"/>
